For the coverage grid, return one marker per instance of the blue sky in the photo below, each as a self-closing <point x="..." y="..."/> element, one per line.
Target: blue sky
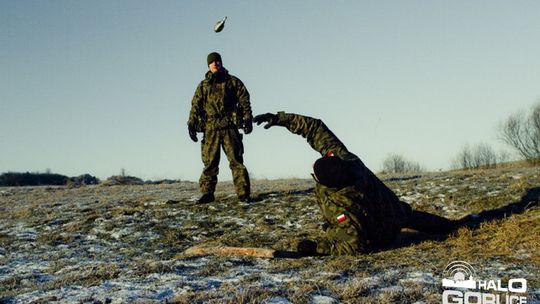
<point x="97" y="86"/>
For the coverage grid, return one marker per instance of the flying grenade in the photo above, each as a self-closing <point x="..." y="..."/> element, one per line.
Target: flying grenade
<point x="219" y="25"/>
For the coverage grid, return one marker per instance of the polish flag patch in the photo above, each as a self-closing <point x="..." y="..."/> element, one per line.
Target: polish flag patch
<point x="341" y="218"/>
<point x="330" y="154"/>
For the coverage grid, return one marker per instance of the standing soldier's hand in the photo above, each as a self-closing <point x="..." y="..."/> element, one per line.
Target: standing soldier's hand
<point x="248" y="126"/>
<point x="269" y="118"/>
<point x="192" y="132"/>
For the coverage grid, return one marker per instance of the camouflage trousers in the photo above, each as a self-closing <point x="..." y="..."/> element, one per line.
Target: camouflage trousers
<point x="231" y="142"/>
<point x="343" y="239"/>
<point x="349" y="238"/>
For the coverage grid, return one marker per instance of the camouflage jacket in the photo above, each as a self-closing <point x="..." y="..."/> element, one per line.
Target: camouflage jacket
<point x="221" y="101"/>
<point x="369" y="203"/>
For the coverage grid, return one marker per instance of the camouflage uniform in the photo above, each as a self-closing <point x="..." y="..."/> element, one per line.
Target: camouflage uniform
<point x="219" y="108"/>
<point x="370" y="213"/>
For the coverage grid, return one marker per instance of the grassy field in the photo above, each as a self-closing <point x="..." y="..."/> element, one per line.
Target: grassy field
<point x="122" y="244"/>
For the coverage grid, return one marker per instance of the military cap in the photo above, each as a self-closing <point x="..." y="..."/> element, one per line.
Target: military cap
<point x="214" y="56"/>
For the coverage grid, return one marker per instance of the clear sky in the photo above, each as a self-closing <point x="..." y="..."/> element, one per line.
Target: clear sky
<point x="97" y="86"/>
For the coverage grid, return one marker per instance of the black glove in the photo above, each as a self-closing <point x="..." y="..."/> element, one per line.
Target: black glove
<point x="192" y="132"/>
<point x="307" y="247"/>
<point x="269" y="118"/>
<point x="248" y="126"/>
<point x="325" y="226"/>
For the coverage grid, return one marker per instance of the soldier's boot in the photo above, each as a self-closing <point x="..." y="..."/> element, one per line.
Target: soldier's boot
<point x="241" y="181"/>
<point x="245" y="198"/>
<point x="206" y="198"/>
<point x="208" y="180"/>
<point x="207" y="187"/>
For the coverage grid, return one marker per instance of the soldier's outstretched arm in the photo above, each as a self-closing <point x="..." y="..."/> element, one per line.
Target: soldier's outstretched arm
<point x="317" y="134"/>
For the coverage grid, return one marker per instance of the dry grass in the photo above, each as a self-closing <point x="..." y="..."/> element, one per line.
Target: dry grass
<point x="90" y="236"/>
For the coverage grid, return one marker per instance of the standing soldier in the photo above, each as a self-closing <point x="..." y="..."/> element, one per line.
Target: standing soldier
<point x="360" y="212"/>
<point x="221" y="106"/>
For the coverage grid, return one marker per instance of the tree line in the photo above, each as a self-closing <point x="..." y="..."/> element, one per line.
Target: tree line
<point x="520" y="131"/>
<point x="14" y="179"/>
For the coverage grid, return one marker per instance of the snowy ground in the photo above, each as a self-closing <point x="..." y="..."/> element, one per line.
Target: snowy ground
<point x="121" y="244"/>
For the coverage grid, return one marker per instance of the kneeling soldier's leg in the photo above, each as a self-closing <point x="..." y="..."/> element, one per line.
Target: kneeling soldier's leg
<point x="343" y="239"/>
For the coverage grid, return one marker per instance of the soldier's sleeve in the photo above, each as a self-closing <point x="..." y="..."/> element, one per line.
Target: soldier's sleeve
<point x="196" y="106"/>
<point x="317" y="134"/>
<point x="243" y="100"/>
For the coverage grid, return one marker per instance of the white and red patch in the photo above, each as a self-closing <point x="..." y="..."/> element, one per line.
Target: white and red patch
<point x="340" y="218"/>
<point x="330" y="154"/>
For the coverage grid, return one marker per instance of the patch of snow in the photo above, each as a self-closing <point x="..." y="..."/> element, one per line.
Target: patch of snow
<point x="493" y="193"/>
<point x="279" y="277"/>
<point x="290" y="224"/>
<point x="318" y="299"/>
<point x="411" y="197"/>
<point x="371" y="282"/>
<point x="392" y="289"/>
<point x="522" y="254"/>
<point x="23" y="233"/>
<point x="121" y="233"/>
<point x="419" y="277"/>
<point x="277" y="300"/>
<point x="236" y="220"/>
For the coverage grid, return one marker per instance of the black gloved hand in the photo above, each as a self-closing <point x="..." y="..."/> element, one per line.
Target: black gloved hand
<point x="269" y="118"/>
<point x="192" y="132"/>
<point x="306" y="247"/>
<point x="325" y="226"/>
<point x="248" y="126"/>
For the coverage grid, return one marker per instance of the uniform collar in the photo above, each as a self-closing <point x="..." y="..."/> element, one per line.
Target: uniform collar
<point x="219" y="76"/>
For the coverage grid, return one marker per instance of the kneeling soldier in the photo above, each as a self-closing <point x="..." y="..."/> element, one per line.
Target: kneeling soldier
<point x="360" y="212"/>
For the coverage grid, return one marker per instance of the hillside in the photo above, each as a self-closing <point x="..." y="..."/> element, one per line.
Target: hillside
<point x="122" y="243"/>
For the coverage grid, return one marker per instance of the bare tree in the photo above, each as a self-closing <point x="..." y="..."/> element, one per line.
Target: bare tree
<point x="522" y="133"/>
<point x="480" y="156"/>
<point x="464" y="159"/>
<point x="503" y="157"/>
<point x="396" y="163"/>
<point x="484" y="156"/>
